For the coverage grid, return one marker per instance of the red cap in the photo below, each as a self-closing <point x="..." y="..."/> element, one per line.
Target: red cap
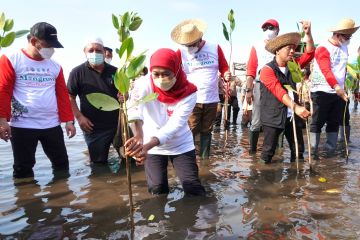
<point x="272" y="22"/>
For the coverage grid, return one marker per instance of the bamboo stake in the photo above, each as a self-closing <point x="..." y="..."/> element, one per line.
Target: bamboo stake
<point x="345" y="137"/>
<point x="295" y="139"/>
<point x="308" y="140"/>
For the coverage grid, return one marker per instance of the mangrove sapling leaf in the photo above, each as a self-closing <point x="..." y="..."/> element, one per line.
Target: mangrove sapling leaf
<point x="2" y="21"/>
<point x="125" y="20"/>
<point x="9" y="24"/>
<point x="103" y="102"/>
<point x="121" y="81"/>
<point x="225" y="31"/>
<point x="290" y="88"/>
<point x="231" y="15"/>
<point x="295" y="71"/>
<point x="148" y="98"/>
<point x="351" y="69"/>
<point x="135" y="66"/>
<point x="8" y="39"/>
<point x="126" y="46"/>
<point x="21" y="33"/>
<point x="135" y="24"/>
<point x="349" y="84"/>
<point x="115" y="21"/>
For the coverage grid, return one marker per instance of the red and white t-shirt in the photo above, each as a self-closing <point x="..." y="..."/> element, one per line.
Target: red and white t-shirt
<point x="33" y="93"/>
<point x="202" y="70"/>
<point x="329" y="67"/>
<point x="259" y="56"/>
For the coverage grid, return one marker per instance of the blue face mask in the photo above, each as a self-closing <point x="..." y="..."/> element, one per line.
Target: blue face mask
<point x="95" y="58"/>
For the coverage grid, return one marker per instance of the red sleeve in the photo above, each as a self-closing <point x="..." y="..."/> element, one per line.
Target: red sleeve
<point x="7" y="82"/>
<point x="252" y="63"/>
<point x="178" y="53"/>
<point x="305" y="59"/>
<point x="268" y="77"/>
<point x="223" y="65"/>
<point x="63" y="99"/>
<point x="322" y="57"/>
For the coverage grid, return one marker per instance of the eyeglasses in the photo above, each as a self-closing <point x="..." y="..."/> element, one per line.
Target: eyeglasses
<point x="268" y="27"/>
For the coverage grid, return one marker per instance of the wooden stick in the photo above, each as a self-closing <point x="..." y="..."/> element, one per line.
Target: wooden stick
<point x="295" y="139"/>
<point x="345" y="137"/>
<point x="308" y="140"/>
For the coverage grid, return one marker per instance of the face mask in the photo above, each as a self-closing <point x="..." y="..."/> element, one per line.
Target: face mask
<point x="192" y="50"/>
<point x="164" y="84"/>
<point x="46" y="53"/>
<point x="269" y="34"/>
<point x="345" y="43"/>
<point x="95" y="58"/>
<point x="108" y="60"/>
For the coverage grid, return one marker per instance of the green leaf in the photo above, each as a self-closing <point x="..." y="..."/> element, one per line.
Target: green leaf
<point x="289" y="88"/>
<point x="148" y="98"/>
<point x="295" y="71"/>
<point x="9" y="24"/>
<point x="127" y="46"/>
<point x="2" y="21"/>
<point x="135" y="67"/>
<point x="21" y="33"/>
<point x="103" y="102"/>
<point x="122" y="82"/>
<point x="225" y="32"/>
<point x="297" y="24"/>
<point x="8" y="39"/>
<point x="135" y="24"/>
<point x="351" y="70"/>
<point x="231" y="15"/>
<point x="358" y="62"/>
<point x="115" y="21"/>
<point x="125" y="20"/>
<point x="232" y="25"/>
<point x="349" y="84"/>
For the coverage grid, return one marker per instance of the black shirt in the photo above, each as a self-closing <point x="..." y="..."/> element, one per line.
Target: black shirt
<point x="84" y="80"/>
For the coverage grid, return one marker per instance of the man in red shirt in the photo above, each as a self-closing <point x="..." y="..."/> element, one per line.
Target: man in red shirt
<point x="34" y="98"/>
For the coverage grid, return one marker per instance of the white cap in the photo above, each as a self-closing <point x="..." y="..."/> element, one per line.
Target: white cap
<point x="94" y="40"/>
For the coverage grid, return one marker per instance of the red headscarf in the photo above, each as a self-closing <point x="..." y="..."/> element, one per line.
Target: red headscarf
<point x="167" y="58"/>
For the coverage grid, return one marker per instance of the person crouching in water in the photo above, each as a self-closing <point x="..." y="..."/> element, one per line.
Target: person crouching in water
<point x="277" y="103"/>
<point x="161" y="131"/>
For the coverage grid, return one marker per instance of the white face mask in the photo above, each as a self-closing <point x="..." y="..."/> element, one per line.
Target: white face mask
<point x="108" y="60"/>
<point x="46" y="53"/>
<point x="192" y="50"/>
<point x="345" y="43"/>
<point x="164" y="84"/>
<point x="270" y="34"/>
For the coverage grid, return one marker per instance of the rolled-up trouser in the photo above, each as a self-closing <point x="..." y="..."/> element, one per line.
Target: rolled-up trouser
<point x="24" y="142"/>
<point x="98" y="142"/>
<point x="185" y="167"/>
<point x="256" y="109"/>
<point x="202" y="118"/>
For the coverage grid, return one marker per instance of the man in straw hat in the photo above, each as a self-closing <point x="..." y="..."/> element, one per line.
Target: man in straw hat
<point x="277" y="103"/>
<point x="257" y="59"/>
<point x="201" y="62"/>
<point x="327" y="91"/>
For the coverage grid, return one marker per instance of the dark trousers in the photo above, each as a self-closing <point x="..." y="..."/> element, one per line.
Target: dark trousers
<point x="326" y="109"/>
<point x="24" y="142"/>
<point x="98" y="142"/>
<point x="185" y="167"/>
<point x="271" y="135"/>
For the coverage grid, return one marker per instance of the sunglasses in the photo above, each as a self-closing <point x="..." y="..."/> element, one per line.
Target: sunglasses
<point x="346" y="36"/>
<point x="268" y="27"/>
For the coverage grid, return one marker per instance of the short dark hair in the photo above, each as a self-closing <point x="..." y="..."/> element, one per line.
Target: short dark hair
<point x="108" y="49"/>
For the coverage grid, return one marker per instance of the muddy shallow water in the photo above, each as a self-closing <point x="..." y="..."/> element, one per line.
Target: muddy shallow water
<point x="245" y="198"/>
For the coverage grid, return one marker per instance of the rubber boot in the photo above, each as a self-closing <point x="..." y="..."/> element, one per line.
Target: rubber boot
<point x="235" y="116"/>
<point x="205" y="142"/>
<point x="254" y="136"/>
<point x="314" y="141"/>
<point x="281" y="140"/>
<point x="330" y="145"/>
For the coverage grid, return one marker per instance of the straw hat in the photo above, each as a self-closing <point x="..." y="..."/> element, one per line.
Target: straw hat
<point x="188" y="31"/>
<point x="345" y="26"/>
<point x="283" y="40"/>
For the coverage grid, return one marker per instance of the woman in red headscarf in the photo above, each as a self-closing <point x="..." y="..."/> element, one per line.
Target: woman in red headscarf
<point x="161" y="131"/>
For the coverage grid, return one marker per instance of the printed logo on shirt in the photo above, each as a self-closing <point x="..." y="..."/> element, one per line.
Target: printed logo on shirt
<point x="201" y="60"/>
<point x="17" y="110"/>
<point x="169" y="112"/>
<point x="39" y="77"/>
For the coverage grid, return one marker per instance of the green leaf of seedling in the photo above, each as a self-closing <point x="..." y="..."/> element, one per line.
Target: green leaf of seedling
<point x="349" y="84"/>
<point x="295" y="71"/>
<point x="232" y="25"/>
<point x="135" y="67"/>
<point x="231" y="15"/>
<point x="9" y="24"/>
<point x="121" y="81"/>
<point x="135" y="24"/>
<point x="126" y="46"/>
<point x="21" y="33"/>
<point x="8" y="39"/>
<point x="225" y="31"/>
<point x="289" y="88"/>
<point x="148" y="98"/>
<point x="103" y="102"/>
<point x="297" y="25"/>
<point x="358" y="62"/>
<point x="115" y="21"/>
<point x="2" y="21"/>
<point x="351" y="70"/>
<point x="125" y="20"/>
